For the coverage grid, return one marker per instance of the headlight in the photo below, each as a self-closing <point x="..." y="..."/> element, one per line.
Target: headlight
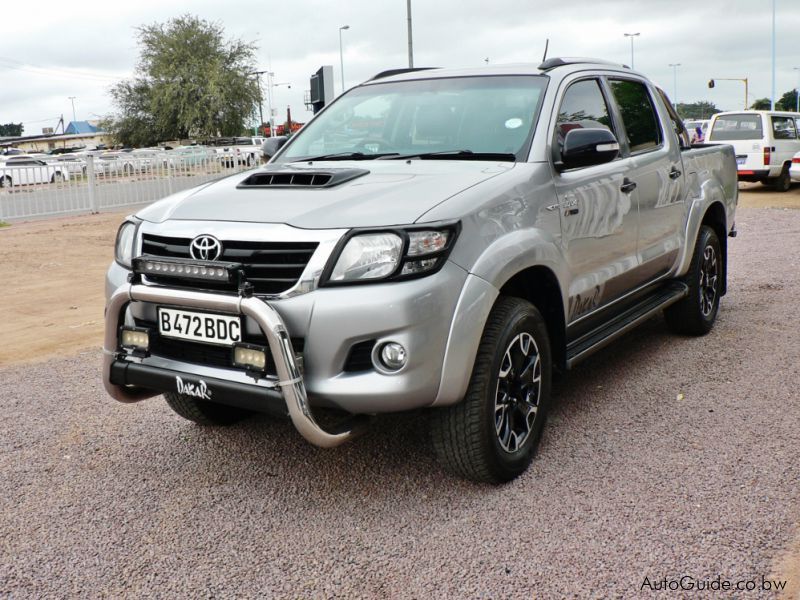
<point x="371" y="256"/>
<point x="392" y="255"/>
<point x="123" y="252"/>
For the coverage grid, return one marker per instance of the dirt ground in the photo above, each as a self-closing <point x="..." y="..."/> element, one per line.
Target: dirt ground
<point x="52" y="301"/>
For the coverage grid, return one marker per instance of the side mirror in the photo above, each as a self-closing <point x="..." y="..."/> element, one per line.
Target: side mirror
<point x="587" y="147"/>
<point x="272" y="145"/>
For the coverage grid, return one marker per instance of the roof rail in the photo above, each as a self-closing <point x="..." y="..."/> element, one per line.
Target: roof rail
<point x="552" y="63"/>
<point x="390" y="72"/>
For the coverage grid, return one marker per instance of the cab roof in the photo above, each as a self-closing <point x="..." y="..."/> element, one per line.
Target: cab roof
<point x="561" y="64"/>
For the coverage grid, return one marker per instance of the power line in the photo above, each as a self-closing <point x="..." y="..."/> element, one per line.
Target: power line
<point x="10" y="63"/>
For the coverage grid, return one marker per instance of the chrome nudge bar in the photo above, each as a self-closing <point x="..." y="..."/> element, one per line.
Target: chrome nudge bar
<point x="290" y="380"/>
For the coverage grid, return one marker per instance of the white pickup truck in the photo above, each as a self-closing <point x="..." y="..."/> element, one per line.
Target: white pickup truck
<point x="239" y="151"/>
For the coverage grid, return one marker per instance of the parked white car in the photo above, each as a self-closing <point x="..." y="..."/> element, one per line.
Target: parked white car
<point x="239" y="151"/>
<point x="691" y="127"/>
<point x="27" y="170"/>
<point x="73" y="163"/>
<point x="764" y="142"/>
<point x="189" y="156"/>
<point x="794" y="170"/>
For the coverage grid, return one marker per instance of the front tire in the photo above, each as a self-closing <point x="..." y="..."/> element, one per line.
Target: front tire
<point x="696" y="313"/>
<point x="5" y="182"/>
<point x="203" y="412"/>
<point x="492" y="435"/>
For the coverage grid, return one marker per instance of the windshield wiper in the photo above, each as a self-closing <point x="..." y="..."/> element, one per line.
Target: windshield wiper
<point x="457" y="155"/>
<point x="346" y="156"/>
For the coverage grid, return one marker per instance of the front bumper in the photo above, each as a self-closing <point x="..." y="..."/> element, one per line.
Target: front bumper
<point x="289" y="384"/>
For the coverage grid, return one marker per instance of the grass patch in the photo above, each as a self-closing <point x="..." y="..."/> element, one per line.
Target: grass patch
<point x="4" y="223"/>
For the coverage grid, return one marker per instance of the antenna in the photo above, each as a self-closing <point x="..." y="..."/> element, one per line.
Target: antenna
<point x="546" y="44"/>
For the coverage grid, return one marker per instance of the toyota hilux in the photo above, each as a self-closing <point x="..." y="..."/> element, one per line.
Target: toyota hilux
<point x="439" y="239"/>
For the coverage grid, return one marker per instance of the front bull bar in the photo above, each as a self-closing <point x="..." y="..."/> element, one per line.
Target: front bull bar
<point x="290" y="380"/>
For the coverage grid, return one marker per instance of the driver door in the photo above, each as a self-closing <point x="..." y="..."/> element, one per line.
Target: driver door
<point x="599" y="219"/>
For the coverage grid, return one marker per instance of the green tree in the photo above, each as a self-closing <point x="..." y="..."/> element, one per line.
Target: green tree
<point x="192" y="82"/>
<point x="788" y="101"/>
<point x="697" y="110"/>
<point x="11" y="130"/>
<point x="761" y="104"/>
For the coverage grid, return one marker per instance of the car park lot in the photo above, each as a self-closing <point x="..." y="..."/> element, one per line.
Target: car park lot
<point x="663" y="457"/>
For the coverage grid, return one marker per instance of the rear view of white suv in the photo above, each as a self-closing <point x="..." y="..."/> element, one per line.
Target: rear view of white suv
<point x="764" y="142"/>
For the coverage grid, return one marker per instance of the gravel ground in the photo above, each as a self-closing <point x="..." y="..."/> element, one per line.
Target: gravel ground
<point x="663" y="457"/>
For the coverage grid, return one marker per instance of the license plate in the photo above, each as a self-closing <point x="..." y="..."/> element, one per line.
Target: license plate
<point x="223" y="330"/>
<point x="740" y="160"/>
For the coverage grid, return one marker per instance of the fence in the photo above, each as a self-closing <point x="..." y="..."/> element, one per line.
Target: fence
<point x="33" y="186"/>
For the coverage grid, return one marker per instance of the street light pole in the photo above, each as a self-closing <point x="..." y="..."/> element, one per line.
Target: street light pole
<point x="675" y="82"/>
<point x="258" y="75"/>
<point x="72" y="99"/>
<point x="270" y="75"/>
<point x="797" y="91"/>
<point x="341" y="53"/>
<point x="772" y="98"/>
<point x="632" y="35"/>
<point x="410" y="43"/>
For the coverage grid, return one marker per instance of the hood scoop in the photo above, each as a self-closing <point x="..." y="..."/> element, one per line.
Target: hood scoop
<point x="288" y="177"/>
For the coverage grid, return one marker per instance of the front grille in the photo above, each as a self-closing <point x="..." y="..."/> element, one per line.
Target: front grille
<point x="272" y="267"/>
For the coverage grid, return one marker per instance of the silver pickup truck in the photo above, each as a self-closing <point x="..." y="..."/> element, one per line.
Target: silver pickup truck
<point x="438" y="239"/>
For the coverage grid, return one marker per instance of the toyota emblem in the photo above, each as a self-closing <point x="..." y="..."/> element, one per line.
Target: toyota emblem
<point x="205" y="247"/>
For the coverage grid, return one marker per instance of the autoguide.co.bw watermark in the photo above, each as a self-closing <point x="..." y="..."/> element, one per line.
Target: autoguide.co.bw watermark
<point x="687" y="583"/>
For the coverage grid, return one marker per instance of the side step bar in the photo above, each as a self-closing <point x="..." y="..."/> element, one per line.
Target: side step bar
<point x="599" y="338"/>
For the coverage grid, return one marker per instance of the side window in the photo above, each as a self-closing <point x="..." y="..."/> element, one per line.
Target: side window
<point x="677" y="124"/>
<point x="783" y="128"/>
<point x="638" y="114"/>
<point x="583" y="106"/>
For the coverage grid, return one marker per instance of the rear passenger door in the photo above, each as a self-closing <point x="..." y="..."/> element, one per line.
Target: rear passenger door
<point x="656" y="171"/>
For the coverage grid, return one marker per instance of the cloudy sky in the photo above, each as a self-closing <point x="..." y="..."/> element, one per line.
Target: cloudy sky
<point x="51" y="49"/>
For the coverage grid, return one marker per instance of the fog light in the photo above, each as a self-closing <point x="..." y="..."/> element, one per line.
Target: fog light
<point x="249" y="356"/>
<point x="393" y="356"/>
<point x="135" y="338"/>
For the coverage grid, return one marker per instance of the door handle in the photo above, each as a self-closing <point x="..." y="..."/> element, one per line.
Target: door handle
<point x="627" y="186"/>
<point x="674" y="173"/>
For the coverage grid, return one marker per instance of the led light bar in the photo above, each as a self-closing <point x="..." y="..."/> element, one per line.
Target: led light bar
<point x="134" y="338"/>
<point x="200" y="270"/>
<point x="250" y="356"/>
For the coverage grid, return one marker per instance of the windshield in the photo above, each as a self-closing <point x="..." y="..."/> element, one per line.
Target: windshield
<point x="737" y="127"/>
<point x="471" y="115"/>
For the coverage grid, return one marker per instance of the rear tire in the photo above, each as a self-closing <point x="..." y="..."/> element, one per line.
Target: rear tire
<point x="783" y="182"/>
<point x="203" y="412"/>
<point x="492" y="435"/>
<point x="5" y="182"/>
<point x="696" y="313"/>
